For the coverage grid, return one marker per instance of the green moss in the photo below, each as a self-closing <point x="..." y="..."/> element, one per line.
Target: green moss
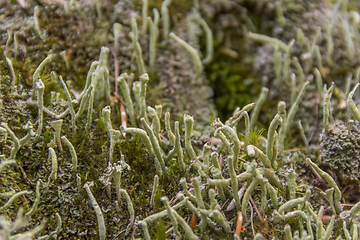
<point x="160" y="230"/>
<point x="254" y="138"/>
<point x="231" y="82"/>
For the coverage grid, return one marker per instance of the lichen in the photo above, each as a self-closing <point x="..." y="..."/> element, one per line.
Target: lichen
<point x="150" y="150"/>
<point x="340" y="149"/>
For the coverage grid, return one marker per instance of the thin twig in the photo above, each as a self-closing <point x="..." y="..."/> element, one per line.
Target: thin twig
<point x="244" y="161"/>
<point x="173" y="201"/>
<point x="119" y="234"/>
<point x="317" y="175"/>
<point x="342" y="192"/>
<point x="347" y="204"/>
<point x="169" y="230"/>
<point x="295" y="150"/>
<point x="251" y="219"/>
<point x="223" y="213"/>
<point x="224" y="204"/>
<point x="18" y="188"/>
<point x="257" y="210"/>
<point x="23" y="173"/>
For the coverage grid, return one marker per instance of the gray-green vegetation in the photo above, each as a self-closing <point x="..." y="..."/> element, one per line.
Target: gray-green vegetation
<point x="143" y="163"/>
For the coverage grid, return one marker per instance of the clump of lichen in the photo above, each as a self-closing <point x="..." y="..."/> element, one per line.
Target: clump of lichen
<point x="268" y="169"/>
<point x="340" y="149"/>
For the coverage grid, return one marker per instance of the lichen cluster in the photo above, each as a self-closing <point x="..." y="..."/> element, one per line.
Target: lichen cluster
<point x="341" y="150"/>
<point x="130" y="147"/>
